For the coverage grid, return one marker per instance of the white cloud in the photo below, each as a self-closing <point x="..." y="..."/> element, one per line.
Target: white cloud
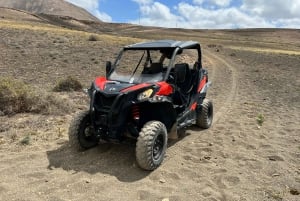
<point x="198" y="2"/>
<point x="293" y="23"/>
<point x="209" y="13"/>
<point x="285" y="14"/>
<point x="221" y="3"/>
<point x="195" y="16"/>
<point x="221" y="14"/>
<point x="143" y="2"/>
<point x="93" y="7"/>
<point x="156" y="14"/>
<point x="275" y="9"/>
<point x="199" y="17"/>
<point x="102" y="16"/>
<point x="157" y="11"/>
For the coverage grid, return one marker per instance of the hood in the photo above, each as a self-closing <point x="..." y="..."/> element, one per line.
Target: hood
<point x="112" y="87"/>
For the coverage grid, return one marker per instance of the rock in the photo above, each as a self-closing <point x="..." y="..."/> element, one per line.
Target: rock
<point x="294" y="191"/>
<point x="162" y="180"/>
<point x="275" y="158"/>
<point x="207" y="157"/>
<point x="275" y="175"/>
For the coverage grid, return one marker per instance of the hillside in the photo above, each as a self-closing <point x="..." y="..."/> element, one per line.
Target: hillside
<point x="51" y="7"/>
<point x="251" y="153"/>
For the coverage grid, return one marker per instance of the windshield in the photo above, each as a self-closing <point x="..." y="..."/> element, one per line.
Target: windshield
<point x="139" y="66"/>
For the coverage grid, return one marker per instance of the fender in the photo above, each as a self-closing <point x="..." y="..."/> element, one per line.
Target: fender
<point x="100" y="82"/>
<point x="205" y="87"/>
<point x="164" y="89"/>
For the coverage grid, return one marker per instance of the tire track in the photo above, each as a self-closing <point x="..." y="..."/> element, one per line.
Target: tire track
<point x="216" y="62"/>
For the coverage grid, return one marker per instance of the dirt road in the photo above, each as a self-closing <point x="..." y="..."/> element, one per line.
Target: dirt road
<point x="236" y="159"/>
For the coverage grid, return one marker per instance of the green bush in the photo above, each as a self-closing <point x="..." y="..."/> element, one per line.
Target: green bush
<point x="68" y="84"/>
<point x="260" y="119"/>
<point x="26" y="140"/>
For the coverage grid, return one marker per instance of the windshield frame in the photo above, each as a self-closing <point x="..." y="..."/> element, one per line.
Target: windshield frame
<point x="145" y="53"/>
<point x="173" y="53"/>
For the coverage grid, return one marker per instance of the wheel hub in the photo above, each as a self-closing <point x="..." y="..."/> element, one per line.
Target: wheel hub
<point x="158" y="147"/>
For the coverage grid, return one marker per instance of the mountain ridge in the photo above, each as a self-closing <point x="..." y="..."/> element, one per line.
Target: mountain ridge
<point x="51" y="7"/>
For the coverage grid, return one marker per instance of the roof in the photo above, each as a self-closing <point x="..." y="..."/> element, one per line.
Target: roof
<point x="162" y="44"/>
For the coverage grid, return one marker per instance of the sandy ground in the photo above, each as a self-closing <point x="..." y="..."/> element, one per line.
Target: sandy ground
<point x="235" y="160"/>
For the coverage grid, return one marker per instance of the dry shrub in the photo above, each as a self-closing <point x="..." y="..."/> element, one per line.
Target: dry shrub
<point x="93" y="38"/>
<point x="15" y="96"/>
<point x="68" y="84"/>
<point x="52" y="104"/>
<point x="211" y="45"/>
<point x="18" y="97"/>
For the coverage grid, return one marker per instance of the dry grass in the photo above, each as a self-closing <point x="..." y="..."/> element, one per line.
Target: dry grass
<point x="15" y="96"/>
<point x="68" y="84"/>
<point x="52" y="104"/>
<point x="93" y="38"/>
<point x="18" y="97"/>
<point x="265" y="50"/>
<point x="26" y="140"/>
<point x="41" y="27"/>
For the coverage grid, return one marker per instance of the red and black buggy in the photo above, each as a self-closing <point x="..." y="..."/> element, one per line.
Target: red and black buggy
<point x="149" y="92"/>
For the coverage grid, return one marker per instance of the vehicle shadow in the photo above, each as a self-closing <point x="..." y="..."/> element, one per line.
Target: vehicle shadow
<point x="183" y="133"/>
<point x="107" y="158"/>
<point x="114" y="159"/>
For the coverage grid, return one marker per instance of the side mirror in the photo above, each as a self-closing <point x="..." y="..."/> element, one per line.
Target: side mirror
<point x="108" y="68"/>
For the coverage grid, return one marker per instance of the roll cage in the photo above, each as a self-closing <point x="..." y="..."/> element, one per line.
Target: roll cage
<point x="170" y="48"/>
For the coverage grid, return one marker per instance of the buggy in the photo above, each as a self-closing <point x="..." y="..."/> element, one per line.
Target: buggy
<point x="150" y="91"/>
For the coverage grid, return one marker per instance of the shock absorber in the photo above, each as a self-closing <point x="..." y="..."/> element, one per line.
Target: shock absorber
<point x="136" y="112"/>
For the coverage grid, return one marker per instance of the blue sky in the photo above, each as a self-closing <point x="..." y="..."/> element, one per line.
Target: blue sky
<point x="199" y="14"/>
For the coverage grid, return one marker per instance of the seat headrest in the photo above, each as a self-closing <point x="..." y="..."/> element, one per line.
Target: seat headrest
<point x="155" y="68"/>
<point x="181" y="70"/>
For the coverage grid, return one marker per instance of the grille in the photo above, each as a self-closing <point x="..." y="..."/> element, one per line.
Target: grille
<point x="103" y="102"/>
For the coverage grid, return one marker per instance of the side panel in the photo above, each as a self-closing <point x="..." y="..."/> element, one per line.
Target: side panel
<point x="202" y="83"/>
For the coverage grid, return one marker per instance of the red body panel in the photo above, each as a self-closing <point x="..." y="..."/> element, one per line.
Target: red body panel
<point x="100" y="82"/>
<point x="194" y="106"/>
<point x="165" y="89"/>
<point x="136" y="87"/>
<point x="202" y="83"/>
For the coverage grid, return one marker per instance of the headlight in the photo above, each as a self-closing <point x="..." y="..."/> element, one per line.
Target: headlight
<point x="145" y="95"/>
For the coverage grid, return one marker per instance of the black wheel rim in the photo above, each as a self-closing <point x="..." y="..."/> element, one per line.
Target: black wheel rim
<point x="86" y="132"/>
<point x="158" y="147"/>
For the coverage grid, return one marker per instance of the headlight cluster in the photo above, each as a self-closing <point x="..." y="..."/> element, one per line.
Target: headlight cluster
<point x="145" y="95"/>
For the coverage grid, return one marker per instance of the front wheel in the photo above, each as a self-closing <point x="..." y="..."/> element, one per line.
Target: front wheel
<point x="151" y="145"/>
<point x="205" y="114"/>
<point x="80" y="132"/>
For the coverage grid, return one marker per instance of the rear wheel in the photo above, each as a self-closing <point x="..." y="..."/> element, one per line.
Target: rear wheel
<point x="205" y="114"/>
<point x="151" y="145"/>
<point x="80" y="132"/>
